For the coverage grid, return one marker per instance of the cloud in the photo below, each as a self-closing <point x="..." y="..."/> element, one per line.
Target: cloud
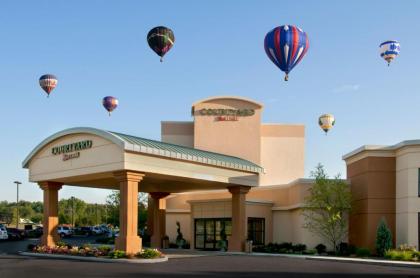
<point x="346" y="88"/>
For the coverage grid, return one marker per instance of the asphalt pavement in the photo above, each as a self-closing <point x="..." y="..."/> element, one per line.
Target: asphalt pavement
<point x="12" y="266"/>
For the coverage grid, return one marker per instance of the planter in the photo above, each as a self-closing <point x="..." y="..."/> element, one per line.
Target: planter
<point x="95" y="259"/>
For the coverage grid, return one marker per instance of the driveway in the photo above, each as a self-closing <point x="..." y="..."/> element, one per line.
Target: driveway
<point x="205" y="266"/>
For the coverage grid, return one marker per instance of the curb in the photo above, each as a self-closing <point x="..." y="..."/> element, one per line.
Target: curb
<point x="336" y="259"/>
<point x="94" y="259"/>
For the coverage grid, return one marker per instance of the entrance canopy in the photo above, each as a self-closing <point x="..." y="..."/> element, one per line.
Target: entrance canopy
<point x="89" y="157"/>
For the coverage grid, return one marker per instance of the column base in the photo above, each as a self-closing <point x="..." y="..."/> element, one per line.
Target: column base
<point x="131" y="244"/>
<point x="49" y="240"/>
<point x="236" y="247"/>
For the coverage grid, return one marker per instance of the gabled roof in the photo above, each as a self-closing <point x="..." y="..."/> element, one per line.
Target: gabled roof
<point x="157" y="148"/>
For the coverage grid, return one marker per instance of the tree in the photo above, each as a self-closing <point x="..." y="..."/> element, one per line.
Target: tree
<point x="327" y="206"/>
<point x="383" y="238"/>
<point x="113" y="208"/>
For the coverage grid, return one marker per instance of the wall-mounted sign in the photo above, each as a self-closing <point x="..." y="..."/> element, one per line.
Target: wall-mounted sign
<point x="227" y="114"/>
<point x="72" y="150"/>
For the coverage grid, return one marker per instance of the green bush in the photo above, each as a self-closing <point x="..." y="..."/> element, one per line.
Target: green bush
<point x="299" y="248"/>
<point x="321" y="248"/>
<point x="401" y="255"/>
<point x="309" y="252"/>
<point x="362" y="252"/>
<point x="104" y="248"/>
<point x="383" y="238"/>
<point x="149" y="254"/>
<point x="117" y="254"/>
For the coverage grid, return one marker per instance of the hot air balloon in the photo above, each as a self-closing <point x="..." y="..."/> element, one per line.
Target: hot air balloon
<point x="48" y="82"/>
<point x="160" y="40"/>
<point x="389" y="50"/>
<point x="326" y="122"/>
<point x="110" y="103"/>
<point x="285" y="46"/>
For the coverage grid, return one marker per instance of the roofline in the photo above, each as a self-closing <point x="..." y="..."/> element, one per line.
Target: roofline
<point x="128" y="146"/>
<point x="229" y="97"/>
<point x="397" y="146"/>
<point x="99" y="132"/>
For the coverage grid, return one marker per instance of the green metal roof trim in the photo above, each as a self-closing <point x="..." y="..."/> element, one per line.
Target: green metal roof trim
<point x="153" y="147"/>
<point x="185" y="153"/>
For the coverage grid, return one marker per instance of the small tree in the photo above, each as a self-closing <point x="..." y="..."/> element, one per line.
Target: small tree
<point x="327" y="206"/>
<point x="383" y="238"/>
<point x="180" y="241"/>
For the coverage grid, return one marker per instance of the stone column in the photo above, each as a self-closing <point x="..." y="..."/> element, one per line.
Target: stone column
<point x="128" y="239"/>
<point x="239" y="223"/>
<point x="159" y="216"/>
<point x="50" y="221"/>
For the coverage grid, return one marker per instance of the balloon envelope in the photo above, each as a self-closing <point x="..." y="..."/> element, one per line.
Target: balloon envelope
<point x="110" y="103"/>
<point x="48" y="82"/>
<point x="326" y="122"/>
<point x="286" y="46"/>
<point x="161" y="39"/>
<point x="389" y="50"/>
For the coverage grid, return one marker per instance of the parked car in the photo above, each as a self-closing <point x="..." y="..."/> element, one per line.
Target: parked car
<point x="35" y="233"/>
<point x="64" y="231"/>
<point x="15" y="234"/>
<point x="85" y="231"/>
<point x="96" y="230"/>
<point x="3" y="233"/>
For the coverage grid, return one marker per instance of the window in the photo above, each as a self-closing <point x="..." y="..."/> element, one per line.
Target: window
<point x="256" y="230"/>
<point x="208" y="232"/>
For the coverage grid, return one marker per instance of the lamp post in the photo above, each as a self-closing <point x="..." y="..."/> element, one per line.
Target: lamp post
<point x="17" y="203"/>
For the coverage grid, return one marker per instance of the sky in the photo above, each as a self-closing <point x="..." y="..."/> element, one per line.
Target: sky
<point x="99" y="48"/>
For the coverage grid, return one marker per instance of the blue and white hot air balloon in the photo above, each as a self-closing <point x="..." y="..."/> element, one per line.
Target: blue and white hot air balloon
<point x="285" y="46"/>
<point x="389" y="50"/>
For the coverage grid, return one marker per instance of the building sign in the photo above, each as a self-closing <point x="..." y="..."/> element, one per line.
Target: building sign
<point x="72" y="150"/>
<point x="227" y="114"/>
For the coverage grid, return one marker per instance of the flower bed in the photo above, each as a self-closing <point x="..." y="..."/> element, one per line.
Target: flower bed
<point x="101" y="252"/>
<point x="403" y="253"/>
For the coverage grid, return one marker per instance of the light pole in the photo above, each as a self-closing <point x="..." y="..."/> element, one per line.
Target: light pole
<point x="17" y="203"/>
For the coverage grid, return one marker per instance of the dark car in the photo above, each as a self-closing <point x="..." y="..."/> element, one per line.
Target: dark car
<point x="87" y="231"/>
<point x="15" y="234"/>
<point x="35" y="233"/>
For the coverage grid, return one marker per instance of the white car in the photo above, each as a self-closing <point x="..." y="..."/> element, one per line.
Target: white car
<point x="3" y="232"/>
<point x="64" y="231"/>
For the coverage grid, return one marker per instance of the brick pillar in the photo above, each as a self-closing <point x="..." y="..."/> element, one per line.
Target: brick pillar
<point x="50" y="220"/>
<point x="159" y="216"/>
<point x="128" y="239"/>
<point x="239" y="223"/>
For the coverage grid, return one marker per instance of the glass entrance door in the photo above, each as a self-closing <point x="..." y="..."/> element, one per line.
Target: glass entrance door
<point x="208" y="231"/>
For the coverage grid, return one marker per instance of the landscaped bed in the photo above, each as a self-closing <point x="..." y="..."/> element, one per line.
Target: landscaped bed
<point x="102" y="253"/>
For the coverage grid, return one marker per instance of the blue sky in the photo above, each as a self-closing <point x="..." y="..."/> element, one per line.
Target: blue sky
<point x="98" y="48"/>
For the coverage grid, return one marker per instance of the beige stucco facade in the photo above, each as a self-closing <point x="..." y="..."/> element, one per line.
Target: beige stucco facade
<point x="385" y="180"/>
<point x="278" y="148"/>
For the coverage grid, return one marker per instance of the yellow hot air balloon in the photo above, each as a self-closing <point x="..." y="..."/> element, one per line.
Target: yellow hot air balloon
<point x="326" y="122"/>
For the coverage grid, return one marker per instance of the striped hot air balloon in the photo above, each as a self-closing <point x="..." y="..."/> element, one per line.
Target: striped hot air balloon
<point x="286" y="46"/>
<point x="48" y="82"/>
<point x="326" y="122"/>
<point x="110" y="103"/>
<point x="389" y="50"/>
<point x="161" y="39"/>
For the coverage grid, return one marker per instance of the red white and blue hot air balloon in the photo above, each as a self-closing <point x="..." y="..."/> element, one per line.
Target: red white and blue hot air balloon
<point x="285" y="46"/>
<point x="110" y="103"/>
<point x="48" y="82"/>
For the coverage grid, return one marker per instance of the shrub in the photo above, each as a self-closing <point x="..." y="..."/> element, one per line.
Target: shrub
<point x="31" y="247"/>
<point x="299" y="248"/>
<point x="321" y="248"/>
<point x="309" y="252"/>
<point x="149" y="254"/>
<point x="383" y="238"/>
<point x="285" y="245"/>
<point x="362" y="252"/>
<point x="406" y="247"/>
<point x="343" y="249"/>
<point x="117" y="254"/>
